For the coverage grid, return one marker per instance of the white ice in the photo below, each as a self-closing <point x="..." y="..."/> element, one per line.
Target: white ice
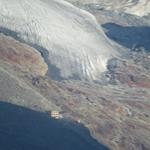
<point x="75" y="42"/>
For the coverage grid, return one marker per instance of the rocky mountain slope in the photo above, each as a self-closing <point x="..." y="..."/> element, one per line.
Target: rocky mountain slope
<point x="32" y="54"/>
<point x="134" y="7"/>
<point x="18" y="59"/>
<point x="117" y="113"/>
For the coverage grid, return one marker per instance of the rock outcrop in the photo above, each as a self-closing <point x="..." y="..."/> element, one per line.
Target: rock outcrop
<point x="22" y="56"/>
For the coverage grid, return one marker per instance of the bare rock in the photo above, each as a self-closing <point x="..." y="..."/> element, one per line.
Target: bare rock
<point x="26" y="58"/>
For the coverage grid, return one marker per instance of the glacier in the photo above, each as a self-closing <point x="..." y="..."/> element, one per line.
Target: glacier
<point x="75" y="43"/>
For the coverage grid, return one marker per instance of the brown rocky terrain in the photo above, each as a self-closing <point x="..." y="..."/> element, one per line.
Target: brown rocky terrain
<point x="18" y="60"/>
<point x="117" y="113"/>
<point x="21" y="56"/>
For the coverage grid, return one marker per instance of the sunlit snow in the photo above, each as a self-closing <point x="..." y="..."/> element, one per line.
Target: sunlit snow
<point x="75" y="42"/>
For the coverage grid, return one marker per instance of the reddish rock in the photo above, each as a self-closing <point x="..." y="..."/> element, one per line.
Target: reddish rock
<point x="22" y="56"/>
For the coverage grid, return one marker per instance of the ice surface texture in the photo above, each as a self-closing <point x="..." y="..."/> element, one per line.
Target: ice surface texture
<point x="76" y="45"/>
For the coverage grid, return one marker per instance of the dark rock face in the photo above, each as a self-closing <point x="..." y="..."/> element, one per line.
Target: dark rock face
<point x="129" y="36"/>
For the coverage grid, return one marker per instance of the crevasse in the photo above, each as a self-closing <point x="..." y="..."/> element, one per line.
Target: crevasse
<point x="75" y="43"/>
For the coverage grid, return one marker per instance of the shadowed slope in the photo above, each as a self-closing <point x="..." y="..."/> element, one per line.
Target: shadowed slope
<point x="129" y="36"/>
